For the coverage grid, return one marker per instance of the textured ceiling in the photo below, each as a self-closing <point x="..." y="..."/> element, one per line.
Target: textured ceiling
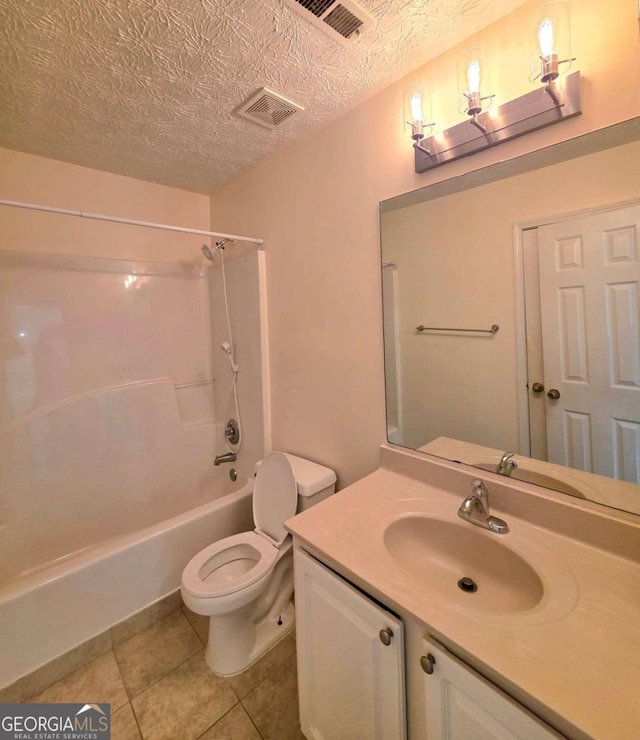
<point x="147" y="88"/>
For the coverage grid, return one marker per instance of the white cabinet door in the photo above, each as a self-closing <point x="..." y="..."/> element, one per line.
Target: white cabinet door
<point x="351" y="684"/>
<point x="462" y="705"/>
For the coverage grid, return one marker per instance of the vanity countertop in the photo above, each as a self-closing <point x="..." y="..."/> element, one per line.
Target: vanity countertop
<point x="576" y="664"/>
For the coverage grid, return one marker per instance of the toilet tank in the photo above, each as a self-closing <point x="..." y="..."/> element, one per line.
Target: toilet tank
<point x="314" y="482"/>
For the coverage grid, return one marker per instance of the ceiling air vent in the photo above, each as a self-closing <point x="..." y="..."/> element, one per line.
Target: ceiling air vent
<point x="267" y="108"/>
<point x="343" y="20"/>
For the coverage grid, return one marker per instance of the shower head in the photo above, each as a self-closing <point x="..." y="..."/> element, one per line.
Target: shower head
<point x="209" y="252"/>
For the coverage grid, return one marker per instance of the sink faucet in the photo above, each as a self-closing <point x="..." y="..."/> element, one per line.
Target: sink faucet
<point x="506" y="464"/>
<point x="227" y="457"/>
<point x="475" y="509"/>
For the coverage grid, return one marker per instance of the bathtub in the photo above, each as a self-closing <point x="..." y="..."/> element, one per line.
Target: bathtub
<point x="50" y="610"/>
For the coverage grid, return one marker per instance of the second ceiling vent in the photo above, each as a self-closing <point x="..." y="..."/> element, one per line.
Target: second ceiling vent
<point x="343" y="20"/>
<point x="267" y="108"/>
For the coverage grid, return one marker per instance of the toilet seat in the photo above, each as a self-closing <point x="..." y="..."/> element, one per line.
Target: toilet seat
<point x="236" y="563"/>
<point x="217" y="570"/>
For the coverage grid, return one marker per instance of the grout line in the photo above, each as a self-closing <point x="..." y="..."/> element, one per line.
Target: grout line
<point x="141" y="630"/>
<point x="192" y="627"/>
<point x="168" y="673"/>
<point x="131" y="698"/>
<point x="126" y="688"/>
<point x="24" y="699"/>
<point x="108" y="632"/>
<point x="135" y="717"/>
<point x="233" y="691"/>
<point x="277" y="665"/>
<point x="163" y="677"/>
<point x="246" y="711"/>
<point x="218" y="720"/>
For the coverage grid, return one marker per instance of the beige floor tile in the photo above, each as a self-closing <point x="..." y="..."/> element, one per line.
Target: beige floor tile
<point x="235" y="725"/>
<point x="273" y="705"/>
<point x="150" y="655"/>
<point x="124" y="725"/>
<point x="199" y="623"/>
<point x="96" y="683"/>
<point x="246" y="681"/>
<point x="145" y="618"/>
<point x="57" y="669"/>
<point x="184" y="703"/>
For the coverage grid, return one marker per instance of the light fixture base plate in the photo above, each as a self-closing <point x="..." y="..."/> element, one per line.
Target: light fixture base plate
<point x="520" y="116"/>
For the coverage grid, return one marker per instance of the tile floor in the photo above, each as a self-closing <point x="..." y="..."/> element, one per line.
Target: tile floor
<point x="159" y="687"/>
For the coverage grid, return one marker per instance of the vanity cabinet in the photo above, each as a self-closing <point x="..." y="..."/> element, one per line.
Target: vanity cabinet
<point x="351" y="673"/>
<point x="461" y="704"/>
<point x="350" y="659"/>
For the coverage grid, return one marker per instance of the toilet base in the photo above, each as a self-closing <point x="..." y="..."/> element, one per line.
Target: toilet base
<point x="224" y="661"/>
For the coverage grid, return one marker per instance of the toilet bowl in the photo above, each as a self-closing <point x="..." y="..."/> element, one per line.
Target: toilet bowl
<point x="244" y="583"/>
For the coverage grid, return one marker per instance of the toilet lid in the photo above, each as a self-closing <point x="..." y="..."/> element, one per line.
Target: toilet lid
<point x="275" y="496"/>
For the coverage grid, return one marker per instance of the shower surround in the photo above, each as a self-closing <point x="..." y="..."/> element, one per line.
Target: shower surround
<point x="108" y="429"/>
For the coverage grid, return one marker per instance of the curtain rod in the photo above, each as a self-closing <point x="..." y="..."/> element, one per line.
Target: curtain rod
<point x="128" y="221"/>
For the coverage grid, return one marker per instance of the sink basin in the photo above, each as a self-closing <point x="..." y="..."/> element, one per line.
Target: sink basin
<point x="440" y="552"/>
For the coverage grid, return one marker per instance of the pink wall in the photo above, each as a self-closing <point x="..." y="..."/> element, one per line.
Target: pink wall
<point x="28" y="178"/>
<point x="316" y="206"/>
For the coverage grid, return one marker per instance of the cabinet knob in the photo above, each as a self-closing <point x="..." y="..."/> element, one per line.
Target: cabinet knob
<point x="427" y="662"/>
<point x="385" y="636"/>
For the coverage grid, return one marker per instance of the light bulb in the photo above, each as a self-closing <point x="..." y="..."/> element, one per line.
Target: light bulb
<point x="416" y="111"/>
<point x="473" y="76"/>
<point x="546" y="39"/>
<point x="416" y="107"/>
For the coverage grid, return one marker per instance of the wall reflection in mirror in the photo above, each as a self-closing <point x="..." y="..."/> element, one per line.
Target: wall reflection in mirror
<point x="547" y="248"/>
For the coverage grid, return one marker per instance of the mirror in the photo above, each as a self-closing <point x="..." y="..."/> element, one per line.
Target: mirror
<point x="512" y="317"/>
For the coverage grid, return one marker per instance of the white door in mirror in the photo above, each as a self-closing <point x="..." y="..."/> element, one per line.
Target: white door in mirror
<point x="590" y="277"/>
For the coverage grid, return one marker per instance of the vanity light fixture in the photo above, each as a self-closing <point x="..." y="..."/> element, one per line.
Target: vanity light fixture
<point x="473" y="84"/>
<point x="551" y="45"/>
<point x="417" y="114"/>
<point x="558" y="100"/>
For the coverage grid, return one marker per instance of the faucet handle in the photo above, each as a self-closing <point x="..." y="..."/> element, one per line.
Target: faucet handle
<point x="479" y="489"/>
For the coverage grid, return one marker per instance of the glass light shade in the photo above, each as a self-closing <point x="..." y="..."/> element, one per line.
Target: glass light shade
<point x="473" y="81"/>
<point x="417" y="111"/>
<point x="550" y="34"/>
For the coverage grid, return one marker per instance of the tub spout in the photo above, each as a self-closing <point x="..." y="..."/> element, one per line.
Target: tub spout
<point x="227" y="457"/>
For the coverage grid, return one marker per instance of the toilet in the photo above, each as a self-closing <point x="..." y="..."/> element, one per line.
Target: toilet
<point x="244" y="583"/>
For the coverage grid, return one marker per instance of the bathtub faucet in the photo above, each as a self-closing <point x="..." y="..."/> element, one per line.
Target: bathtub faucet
<point x="227" y="457"/>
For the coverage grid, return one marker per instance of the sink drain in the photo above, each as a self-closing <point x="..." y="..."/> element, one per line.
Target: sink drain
<point x="468" y="585"/>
